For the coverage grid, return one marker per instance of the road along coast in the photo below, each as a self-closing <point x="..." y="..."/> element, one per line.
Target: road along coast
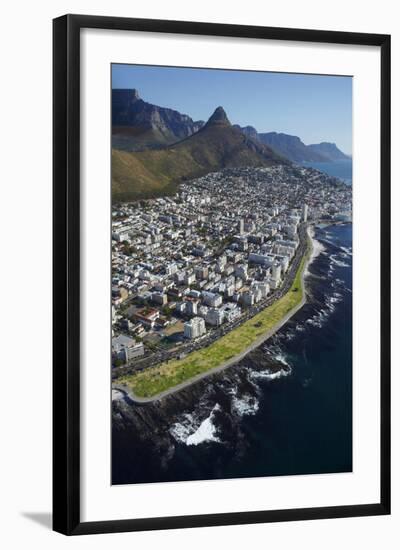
<point x="167" y="378"/>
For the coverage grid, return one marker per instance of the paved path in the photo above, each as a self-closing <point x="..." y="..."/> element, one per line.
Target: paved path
<point x="232" y="361"/>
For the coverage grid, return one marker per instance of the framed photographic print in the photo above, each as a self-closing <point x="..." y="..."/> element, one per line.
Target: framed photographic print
<point x="221" y="274"/>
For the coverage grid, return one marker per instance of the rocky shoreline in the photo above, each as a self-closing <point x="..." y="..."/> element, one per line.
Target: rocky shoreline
<point x="206" y="428"/>
<point x="148" y="427"/>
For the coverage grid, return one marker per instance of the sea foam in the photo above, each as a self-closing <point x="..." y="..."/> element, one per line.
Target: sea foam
<point x="268" y="375"/>
<point x="190" y="432"/>
<point x="336" y="261"/>
<point x="282" y="359"/>
<point x="246" y="405"/>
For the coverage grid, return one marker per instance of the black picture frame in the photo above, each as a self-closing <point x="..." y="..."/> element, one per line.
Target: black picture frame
<point x="66" y="273"/>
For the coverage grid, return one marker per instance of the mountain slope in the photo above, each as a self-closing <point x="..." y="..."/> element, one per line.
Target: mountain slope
<point x="329" y="150"/>
<point x="249" y="131"/>
<point x="290" y="146"/>
<point x="137" y="124"/>
<point x="217" y="145"/>
<point x="294" y="149"/>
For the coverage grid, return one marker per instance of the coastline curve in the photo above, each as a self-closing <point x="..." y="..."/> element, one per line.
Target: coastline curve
<point x="306" y="260"/>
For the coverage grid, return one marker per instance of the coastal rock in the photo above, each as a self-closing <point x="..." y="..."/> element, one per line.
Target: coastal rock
<point x="194" y="419"/>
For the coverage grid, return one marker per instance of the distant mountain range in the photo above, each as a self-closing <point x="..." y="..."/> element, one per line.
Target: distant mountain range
<point x="155" y="148"/>
<point x="294" y="149"/>
<point x="137" y="124"/>
<point x="328" y="150"/>
<point x="155" y="172"/>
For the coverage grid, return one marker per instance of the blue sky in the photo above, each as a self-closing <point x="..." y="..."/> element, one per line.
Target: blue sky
<point x="315" y="108"/>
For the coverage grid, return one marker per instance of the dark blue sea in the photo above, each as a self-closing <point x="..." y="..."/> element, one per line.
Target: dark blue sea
<point x="342" y="169"/>
<point x="254" y="422"/>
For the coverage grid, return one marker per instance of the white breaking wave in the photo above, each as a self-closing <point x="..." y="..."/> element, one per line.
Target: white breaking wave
<point x="319" y="319"/>
<point x="117" y="395"/>
<point x="318" y="248"/>
<point x="247" y="405"/>
<point x="336" y="298"/>
<point x="268" y="375"/>
<point x="205" y="432"/>
<point x="337" y="262"/>
<point x="282" y="359"/>
<point x="191" y="433"/>
<point x="330" y="305"/>
<point x="347" y="250"/>
<point x="181" y="430"/>
<point x="321" y="316"/>
<point x="332" y="300"/>
<point x="327" y="241"/>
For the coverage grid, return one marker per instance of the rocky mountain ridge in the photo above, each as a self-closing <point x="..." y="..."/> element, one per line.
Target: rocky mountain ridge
<point x="137" y="124"/>
<point x="217" y="145"/>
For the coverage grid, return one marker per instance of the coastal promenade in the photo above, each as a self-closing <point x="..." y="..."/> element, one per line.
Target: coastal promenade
<point x="299" y="269"/>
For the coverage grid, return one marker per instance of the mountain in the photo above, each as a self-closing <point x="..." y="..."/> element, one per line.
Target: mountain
<point x="137" y="124"/>
<point x="218" y="118"/>
<point x="249" y="131"/>
<point x="294" y="149"/>
<point x="291" y="147"/>
<point x="217" y="145"/>
<point x="329" y="150"/>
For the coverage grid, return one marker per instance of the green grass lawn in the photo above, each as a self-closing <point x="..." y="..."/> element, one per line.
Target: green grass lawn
<point x="157" y="379"/>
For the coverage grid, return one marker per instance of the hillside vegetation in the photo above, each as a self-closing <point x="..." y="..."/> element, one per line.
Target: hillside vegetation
<point x="151" y="173"/>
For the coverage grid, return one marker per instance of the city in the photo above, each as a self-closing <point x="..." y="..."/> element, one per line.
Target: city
<point x="188" y="268"/>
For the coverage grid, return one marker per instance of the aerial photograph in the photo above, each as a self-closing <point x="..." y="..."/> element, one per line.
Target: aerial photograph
<point x="231" y="274"/>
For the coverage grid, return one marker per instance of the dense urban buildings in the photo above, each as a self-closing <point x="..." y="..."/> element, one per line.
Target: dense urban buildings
<point x="189" y="265"/>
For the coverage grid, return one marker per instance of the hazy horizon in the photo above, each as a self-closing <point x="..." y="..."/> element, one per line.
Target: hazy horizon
<point x="315" y="108"/>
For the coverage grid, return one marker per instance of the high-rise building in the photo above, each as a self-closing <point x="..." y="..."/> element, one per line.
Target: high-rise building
<point x="211" y="299"/>
<point x="125" y="348"/>
<point x="215" y="317"/>
<point x="247" y="298"/>
<point x="241" y="271"/>
<point x="201" y="272"/>
<point x="194" y="328"/>
<point x="305" y="212"/>
<point x="276" y="272"/>
<point x="191" y="307"/>
<point x="262" y="259"/>
<point x="241" y="226"/>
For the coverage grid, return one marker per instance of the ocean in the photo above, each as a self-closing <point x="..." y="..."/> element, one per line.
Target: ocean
<point x="251" y="421"/>
<point x="342" y="169"/>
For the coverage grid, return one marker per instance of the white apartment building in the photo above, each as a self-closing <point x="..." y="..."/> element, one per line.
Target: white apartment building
<point x="211" y="299"/>
<point x="126" y="348"/>
<point x="215" y="317"/>
<point x="276" y="272"/>
<point x="241" y="271"/>
<point x="194" y="328"/>
<point x="262" y="259"/>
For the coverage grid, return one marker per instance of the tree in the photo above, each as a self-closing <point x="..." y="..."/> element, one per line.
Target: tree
<point x="167" y="311"/>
